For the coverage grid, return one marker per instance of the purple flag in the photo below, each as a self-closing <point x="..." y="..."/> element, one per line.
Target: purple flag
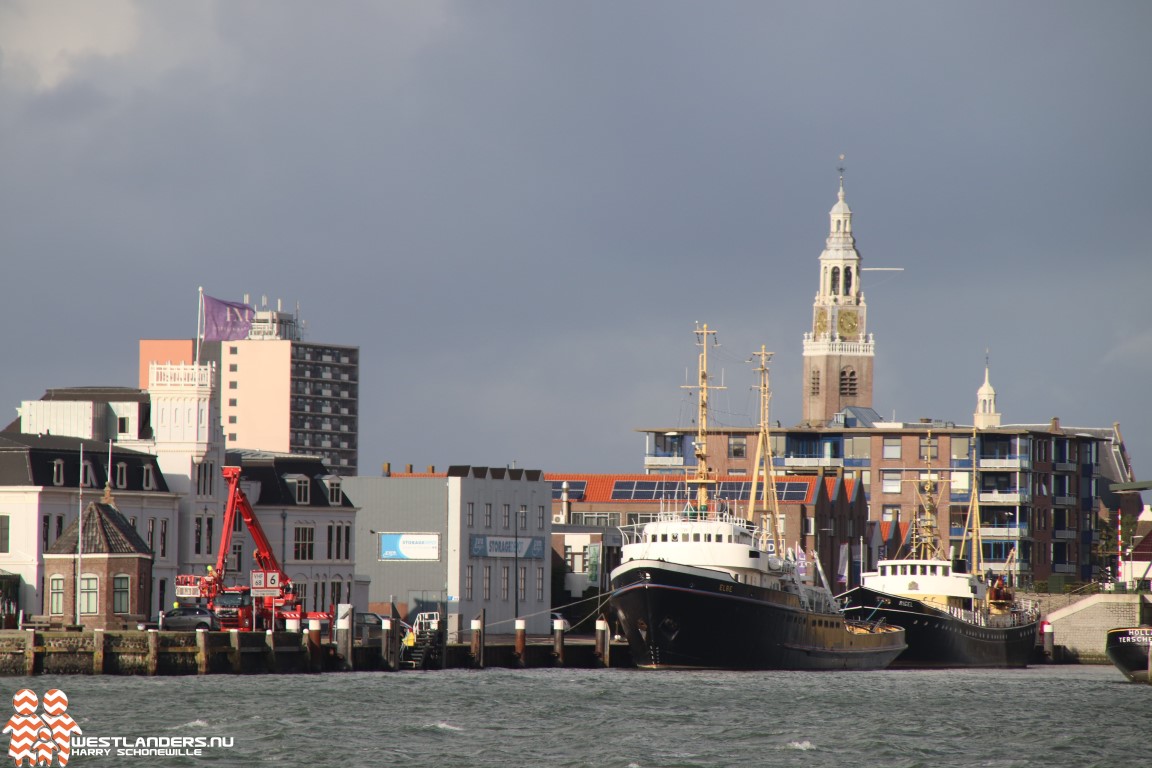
<point x="226" y="320"/>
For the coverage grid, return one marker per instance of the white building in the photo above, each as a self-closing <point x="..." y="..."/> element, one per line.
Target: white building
<point x="470" y="540"/>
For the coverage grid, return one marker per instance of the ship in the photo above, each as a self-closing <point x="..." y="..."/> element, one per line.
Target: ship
<point x="1127" y="648"/>
<point x="953" y="615"/>
<point x="702" y="587"/>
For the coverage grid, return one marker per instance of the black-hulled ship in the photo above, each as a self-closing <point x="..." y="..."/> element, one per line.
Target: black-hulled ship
<point x="952" y="617"/>
<point x="702" y="588"/>
<point x="1127" y="648"/>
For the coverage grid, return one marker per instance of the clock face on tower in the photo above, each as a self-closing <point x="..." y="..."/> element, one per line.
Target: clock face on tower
<point x="848" y="323"/>
<point x="821" y="321"/>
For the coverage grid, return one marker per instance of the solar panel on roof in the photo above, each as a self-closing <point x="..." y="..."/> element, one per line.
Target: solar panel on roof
<point x="576" y="489"/>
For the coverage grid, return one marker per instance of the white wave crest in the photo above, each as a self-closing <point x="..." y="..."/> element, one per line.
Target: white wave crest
<point x="801" y="745"/>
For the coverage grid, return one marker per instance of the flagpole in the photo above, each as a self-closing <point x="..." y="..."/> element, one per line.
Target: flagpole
<point x="199" y="322"/>
<point x="80" y="535"/>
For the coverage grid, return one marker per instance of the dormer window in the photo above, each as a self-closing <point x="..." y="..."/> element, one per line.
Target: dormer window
<point x="332" y="483"/>
<point x="301" y="486"/>
<point x="149" y="480"/>
<point x="121" y="475"/>
<point x="86" y="477"/>
<point x="58" y="472"/>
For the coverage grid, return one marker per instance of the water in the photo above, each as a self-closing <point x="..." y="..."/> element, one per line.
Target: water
<point x="1041" y="716"/>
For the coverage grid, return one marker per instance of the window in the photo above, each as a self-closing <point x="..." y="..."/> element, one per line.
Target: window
<point x="890" y="482"/>
<point x="337" y="592"/>
<point x="540" y="583"/>
<point x="58" y="472"/>
<point x="471" y="512"/>
<point x="86" y="478"/>
<point x="233" y="367"/>
<point x="487" y="582"/>
<point x="848" y="383"/>
<point x="929" y="450"/>
<point x="522" y="581"/>
<point x="163" y="538"/>
<point x="232" y="350"/>
<point x="89" y="592"/>
<point x="507" y="515"/>
<point x="540" y="517"/>
<point x="737" y="447"/>
<point x="303" y="546"/>
<point x="208" y="539"/>
<point x="348" y="543"/>
<point x="121" y="475"/>
<point x="891" y="447"/>
<point x="814" y="383"/>
<point x="504" y="583"/>
<point x="488" y="515"/>
<point x="468" y="583"/>
<point x="232" y="402"/>
<point x="151" y="534"/>
<point x="148" y="480"/>
<point x="5" y="533"/>
<point x="47" y="528"/>
<point x="331" y="540"/>
<point x="302" y="492"/>
<point x="232" y="385"/>
<point x="120" y="593"/>
<point x="961" y="447"/>
<point x="237" y="557"/>
<point x="122" y="425"/>
<point x="335" y="497"/>
<point x="231" y="437"/>
<point x="198" y="536"/>
<point x="56" y="596"/>
<point x="522" y="518"/>
<point x="231" y="419"/>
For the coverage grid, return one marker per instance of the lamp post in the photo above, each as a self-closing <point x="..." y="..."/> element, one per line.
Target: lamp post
<point x="516" y="561"/>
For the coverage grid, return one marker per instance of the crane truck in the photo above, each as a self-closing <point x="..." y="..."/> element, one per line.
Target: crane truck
<point x="270" y="600"/>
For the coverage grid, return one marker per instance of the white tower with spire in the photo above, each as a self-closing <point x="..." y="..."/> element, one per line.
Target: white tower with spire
<point x="986" y="415"/>
<point x="838" y="352"/>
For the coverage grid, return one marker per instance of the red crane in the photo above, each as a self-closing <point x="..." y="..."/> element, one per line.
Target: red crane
<point x="271" y="598"/>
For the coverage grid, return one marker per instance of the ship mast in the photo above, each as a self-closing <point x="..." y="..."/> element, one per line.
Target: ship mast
<point x="764" y="457"/>
<point x="703" y="476"/>
<point x="972" y="524"/>
<point x="926" y="542"/>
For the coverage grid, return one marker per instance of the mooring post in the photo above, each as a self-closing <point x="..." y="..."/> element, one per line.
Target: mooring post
<point x="153" y="652"/>
<point x="98" y="652"/>
<point x="558" y="641"/>
<point x="344" y="634"/>
<point x="603" y="643"/>
<point x="314" y="656"/>
<point x="478" y="641"/>
<point x="386" y="645"/>
<point x="201" y="651"/>
<point x="270" y="651"/>
<point x="236" y="653"/>
<point x="521" y="642"/>
<point x="29" y="652"/>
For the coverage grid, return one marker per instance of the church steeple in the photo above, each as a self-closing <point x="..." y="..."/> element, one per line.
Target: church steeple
<point x="986" y="415"/>
<point x="838" y="351"/>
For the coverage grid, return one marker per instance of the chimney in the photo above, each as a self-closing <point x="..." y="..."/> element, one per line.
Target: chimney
<point x="387" y="469"/>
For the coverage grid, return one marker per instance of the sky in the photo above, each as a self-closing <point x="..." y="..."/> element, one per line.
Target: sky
<point x="519" y="211"/>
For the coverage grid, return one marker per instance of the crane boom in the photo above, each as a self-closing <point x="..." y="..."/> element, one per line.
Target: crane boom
<point x="238" y="503"/>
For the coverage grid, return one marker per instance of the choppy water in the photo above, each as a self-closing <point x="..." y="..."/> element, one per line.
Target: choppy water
<point x="1042" y="716"/>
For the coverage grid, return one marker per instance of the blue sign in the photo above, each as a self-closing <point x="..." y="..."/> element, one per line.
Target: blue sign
<point x="524" y="547"/>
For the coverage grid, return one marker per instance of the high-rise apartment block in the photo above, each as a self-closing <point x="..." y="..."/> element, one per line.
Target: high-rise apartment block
<point x="276" y="391"/>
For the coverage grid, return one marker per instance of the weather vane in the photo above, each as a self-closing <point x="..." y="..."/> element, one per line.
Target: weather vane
<point x="841" y="166"/>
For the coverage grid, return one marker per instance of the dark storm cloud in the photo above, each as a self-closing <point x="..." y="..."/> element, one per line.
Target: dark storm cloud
<point x="519" y="210"/>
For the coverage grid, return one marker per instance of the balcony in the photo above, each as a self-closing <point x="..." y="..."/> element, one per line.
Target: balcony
<point x="1064" y="533"/>
<point x="1064" y="466"/>
<point x="1063" y="568"/>
<point x="1012" y="461"/>
<point x="1009" y="497"/>
<point x="1064" y="501"/>
<point x="663" y="461"/>
<point x="1005" y="531"/>
<point x="812" y="461"/>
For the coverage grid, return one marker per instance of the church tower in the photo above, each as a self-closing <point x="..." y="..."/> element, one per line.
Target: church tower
<point x="986" y="415"/>
<point x="838" y="351"/>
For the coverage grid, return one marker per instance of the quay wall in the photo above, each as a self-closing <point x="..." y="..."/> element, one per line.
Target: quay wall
<point x="1080" y="628"/>
<point x="30" y="652"/>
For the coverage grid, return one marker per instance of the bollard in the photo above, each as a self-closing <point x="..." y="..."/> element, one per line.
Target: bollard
<point x="558" y="641"/>
<point x="603" y="642"/>
<point x="386" y="645"/>
<point x="478" y="643"/>
<point x="1049" y="638"/>
<point x="314" y="656"/>
<point x="521" y="640"/>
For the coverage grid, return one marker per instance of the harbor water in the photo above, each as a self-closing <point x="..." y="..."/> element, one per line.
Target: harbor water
<point x="1041" y="716"/>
